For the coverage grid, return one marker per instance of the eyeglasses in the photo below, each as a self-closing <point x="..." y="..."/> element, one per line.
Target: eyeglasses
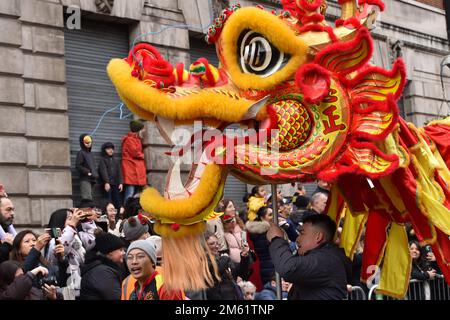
<point x="138" y="257"/>
<point x="10" y="209"/>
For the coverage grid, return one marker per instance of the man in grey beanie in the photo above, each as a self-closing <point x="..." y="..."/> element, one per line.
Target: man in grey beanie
<point x="149" y="285"/>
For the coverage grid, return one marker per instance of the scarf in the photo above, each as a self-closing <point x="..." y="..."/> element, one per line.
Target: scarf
<point x="10" y="230"/>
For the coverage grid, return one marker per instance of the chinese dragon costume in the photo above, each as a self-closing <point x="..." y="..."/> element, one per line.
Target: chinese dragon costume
<point x="336" y="119"/>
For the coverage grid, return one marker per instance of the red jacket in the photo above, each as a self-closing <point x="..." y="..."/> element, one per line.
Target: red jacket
<point x="133" y="163"/>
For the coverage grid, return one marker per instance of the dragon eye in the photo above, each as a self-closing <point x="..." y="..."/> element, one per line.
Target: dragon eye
<point x="258" y="56"/>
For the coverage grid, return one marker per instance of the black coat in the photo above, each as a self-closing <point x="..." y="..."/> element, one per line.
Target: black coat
<point x="19" y="289"/>
<point x="226" y="288"/>
<point x="85" y="162"/>
<point x="109" y="169"/>
<point x="419" y="272"/>
<point x="100" y="278"/>
<point x="257" y="231"/>
<point x="321" y="274"/>
<point x="5" y="249"/>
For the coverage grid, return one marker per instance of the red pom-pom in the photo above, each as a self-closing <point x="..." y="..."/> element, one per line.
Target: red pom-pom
<point x="142" y="219"/>
<point x="378" y="3"/>
<point x="175" y="226"/>
<point x="134" y="73"/>
<point x="310" y="6"/>
<point x="314" y="82"/>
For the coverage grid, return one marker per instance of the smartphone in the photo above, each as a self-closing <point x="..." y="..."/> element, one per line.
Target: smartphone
<point x="244" y="242"/>
<point x="88" y="214"/>
<point x="87" y="211"/>
<point x="54" y="232"/>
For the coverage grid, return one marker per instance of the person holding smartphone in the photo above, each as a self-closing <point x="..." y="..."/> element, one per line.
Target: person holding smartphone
<point x="77" y="236"/>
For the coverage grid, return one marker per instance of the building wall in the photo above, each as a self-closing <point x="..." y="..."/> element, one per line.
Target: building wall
<point x="34" y="156"/>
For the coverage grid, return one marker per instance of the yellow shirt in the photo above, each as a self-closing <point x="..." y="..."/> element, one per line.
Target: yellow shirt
<point x="254" y="204"/>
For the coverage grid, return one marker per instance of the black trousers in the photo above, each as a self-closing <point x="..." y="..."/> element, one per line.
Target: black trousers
<point x="114" y="196"/>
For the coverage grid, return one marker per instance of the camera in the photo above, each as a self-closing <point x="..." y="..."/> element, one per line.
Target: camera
<point x="428" y="248"/>
<point x="54" y="232"/>
<point x="49" y="280"/>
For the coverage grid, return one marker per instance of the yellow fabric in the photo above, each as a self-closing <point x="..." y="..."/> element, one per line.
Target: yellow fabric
<point x="430" y="196"/>
<point x="396" y="269"/>
<point x="351" y="232"/>
<point x="393" y="194"/>
<point x="333" y="208"/>
<point x="254" y="204"/>
<point x="443" y="170"/>
<point x="391" y="145"/>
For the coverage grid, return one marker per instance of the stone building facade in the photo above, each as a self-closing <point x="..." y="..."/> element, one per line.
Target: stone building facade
<point x="35" y="107"/>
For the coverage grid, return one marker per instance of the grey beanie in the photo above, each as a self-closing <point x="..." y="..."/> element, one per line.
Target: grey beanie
<point x="147" y="246"/>
<point x="133" y="228"/>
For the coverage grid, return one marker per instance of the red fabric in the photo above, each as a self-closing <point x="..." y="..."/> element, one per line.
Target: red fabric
<point x="406" y="185"/>
<point x="255" y="277"/>
<point x="133" y="164"/>
<point x="441" y="251"/>
<point x="348" y="183"/>
<point x="314" y="82"/>
<point x="440" y="135"/>
<point x="378" y="3"/>
<point x="406" y="136"/>
<point x="310" y="5"/>
<point x="374" y="241"/>
<point x="140" y="293"/>
<point x="314" y="18"/>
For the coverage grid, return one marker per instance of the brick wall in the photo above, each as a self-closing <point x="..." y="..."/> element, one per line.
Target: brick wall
<point x="435" y="3"/>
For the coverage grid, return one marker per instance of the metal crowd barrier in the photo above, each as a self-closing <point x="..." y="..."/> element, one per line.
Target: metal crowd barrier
<point x="436" y="289"/>
<point x="357" y="293"/>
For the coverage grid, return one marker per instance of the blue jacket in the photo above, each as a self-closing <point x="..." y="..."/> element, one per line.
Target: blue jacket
<point x="269" y="293"/>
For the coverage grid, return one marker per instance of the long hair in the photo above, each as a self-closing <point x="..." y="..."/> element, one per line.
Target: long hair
<point x="8" y="271"/>
<point x="58" y="219"/>
<point x="421" y="262"/>
<point x="239" y="221"/>
<point x="15" y="254"/>
<point x="105" y="205"/>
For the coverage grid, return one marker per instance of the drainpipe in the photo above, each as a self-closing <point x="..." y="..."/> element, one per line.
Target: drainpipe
<point x="447" y="17"/>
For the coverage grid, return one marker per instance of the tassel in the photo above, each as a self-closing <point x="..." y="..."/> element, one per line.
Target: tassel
<point x="186" y="263"/>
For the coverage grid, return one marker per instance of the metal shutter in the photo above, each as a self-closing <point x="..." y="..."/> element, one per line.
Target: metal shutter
<point x="89" y="90"/>
<point x="234" y="188"/>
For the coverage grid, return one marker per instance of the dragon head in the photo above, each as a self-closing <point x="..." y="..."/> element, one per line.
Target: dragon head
<point x="311" y="105"/>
